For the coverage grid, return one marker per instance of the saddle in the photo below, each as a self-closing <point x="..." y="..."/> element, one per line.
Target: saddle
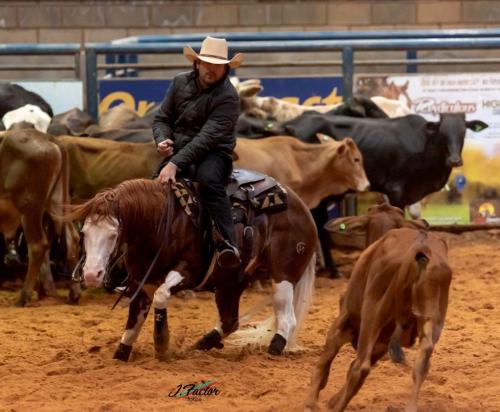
<point x="247" y="190"/>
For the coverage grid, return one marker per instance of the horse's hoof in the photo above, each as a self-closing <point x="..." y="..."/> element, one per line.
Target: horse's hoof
<point x="73" y="299"/>
<point x="123" y="352"/>
<point x="23" y="300"/>
<point x="212" y="339"/>
<point x="277" y="345"/>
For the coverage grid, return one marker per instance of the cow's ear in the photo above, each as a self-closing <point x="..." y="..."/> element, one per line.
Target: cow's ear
<point x="323" y="138"/>
<point x="348" y="231"/>
<point x="250" y="91"/>
<point x="431" y="128"/>
<point x="476" y="125"/>
<point x="341" y="149"/>
<point x="416" y="224"/>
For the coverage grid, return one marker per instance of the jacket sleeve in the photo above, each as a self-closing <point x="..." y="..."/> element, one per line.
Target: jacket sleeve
<point x="219" y="128"/>
<point x="164" y="119"/>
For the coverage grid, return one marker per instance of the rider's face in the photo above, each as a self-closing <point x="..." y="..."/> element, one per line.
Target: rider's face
<point x="210" y="73"/>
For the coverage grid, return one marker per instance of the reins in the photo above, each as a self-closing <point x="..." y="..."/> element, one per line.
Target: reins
<point x="165" y="213"/>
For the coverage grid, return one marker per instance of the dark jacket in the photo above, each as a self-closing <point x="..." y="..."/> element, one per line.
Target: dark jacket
<point x="198" y="121"/>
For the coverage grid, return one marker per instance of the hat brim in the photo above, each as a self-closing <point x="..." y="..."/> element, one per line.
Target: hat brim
<point x="234" y="63"/>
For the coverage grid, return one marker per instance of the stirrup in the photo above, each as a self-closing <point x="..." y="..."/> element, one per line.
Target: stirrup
<point x="229" y="257"/>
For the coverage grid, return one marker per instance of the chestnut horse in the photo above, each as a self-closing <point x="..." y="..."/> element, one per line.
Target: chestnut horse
<point x="165" y="247"/>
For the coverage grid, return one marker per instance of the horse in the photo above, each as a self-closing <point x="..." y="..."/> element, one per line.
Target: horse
<point x="166" y="253"/>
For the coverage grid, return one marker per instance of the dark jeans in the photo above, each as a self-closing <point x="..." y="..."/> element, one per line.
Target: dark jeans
<point x="212" y="175"/>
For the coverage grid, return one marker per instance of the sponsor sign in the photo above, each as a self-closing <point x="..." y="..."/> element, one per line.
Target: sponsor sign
<point x="477" y="182"/>
<point x="141" y="94"/>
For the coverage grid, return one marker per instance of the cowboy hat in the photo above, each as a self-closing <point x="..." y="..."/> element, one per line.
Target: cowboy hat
<point x="213" y="51"/>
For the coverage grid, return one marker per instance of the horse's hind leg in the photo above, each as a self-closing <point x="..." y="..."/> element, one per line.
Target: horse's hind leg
<point x="339" y="334"/>
<point x="137" y="313"/>
<point x="227" y="298"/>
<point x="285" y="317"/>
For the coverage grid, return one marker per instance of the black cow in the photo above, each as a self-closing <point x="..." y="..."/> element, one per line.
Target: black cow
<point x="405" y="158"/>
<point x="252" y="127"/>
<point x="13" y="96"/>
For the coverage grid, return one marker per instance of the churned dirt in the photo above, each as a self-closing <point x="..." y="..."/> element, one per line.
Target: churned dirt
<point x="55" y="357"/>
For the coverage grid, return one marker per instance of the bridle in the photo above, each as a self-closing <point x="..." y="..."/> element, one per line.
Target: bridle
<point x="77" y="275"/>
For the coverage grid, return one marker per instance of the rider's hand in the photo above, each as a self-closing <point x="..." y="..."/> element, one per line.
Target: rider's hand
<point x="168" y="173"/>
<point x="166" y="148"/>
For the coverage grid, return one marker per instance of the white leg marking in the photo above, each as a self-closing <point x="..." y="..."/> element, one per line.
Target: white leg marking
<point x="283" y="309"/>
<point x="218" y="326"/>
<point x="130" y="335"/>
<point x="162" y="294"/>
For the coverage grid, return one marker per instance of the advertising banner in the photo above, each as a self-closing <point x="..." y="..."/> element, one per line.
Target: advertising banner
<point x="141" y="94"/>
<point x="473" y="192"/>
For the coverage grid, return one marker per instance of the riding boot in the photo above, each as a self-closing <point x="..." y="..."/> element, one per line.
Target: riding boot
<point x="228" y="255"/>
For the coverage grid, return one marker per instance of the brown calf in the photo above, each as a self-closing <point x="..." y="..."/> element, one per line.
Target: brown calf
<point x="400" y="282"/>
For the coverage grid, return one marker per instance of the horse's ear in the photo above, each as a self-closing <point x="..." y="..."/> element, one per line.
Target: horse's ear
<point x="404" y="87"/>
<point x="323" y="138"/>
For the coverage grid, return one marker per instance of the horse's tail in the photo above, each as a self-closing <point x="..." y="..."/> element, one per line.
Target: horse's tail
<point x="260" y="333"/>
<point x="302" y="298"/>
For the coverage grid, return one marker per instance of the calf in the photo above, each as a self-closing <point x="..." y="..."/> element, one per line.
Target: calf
<point x="401" y="282"/>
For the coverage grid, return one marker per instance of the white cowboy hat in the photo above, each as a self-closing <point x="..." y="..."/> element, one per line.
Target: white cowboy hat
<point x="214" y="51"/>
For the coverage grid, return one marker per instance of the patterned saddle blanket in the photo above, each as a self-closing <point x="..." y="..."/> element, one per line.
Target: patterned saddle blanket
<point x="247" y="190"/>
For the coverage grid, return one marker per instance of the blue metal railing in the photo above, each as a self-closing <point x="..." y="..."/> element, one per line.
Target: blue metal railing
<point x="33" y="49"/>
<point x="347" y="47"/>
<point x="319" y="35"/>
<point x="345" y="42"/>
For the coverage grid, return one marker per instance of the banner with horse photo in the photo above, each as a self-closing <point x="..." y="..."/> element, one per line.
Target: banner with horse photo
<point x="472" y="194"/>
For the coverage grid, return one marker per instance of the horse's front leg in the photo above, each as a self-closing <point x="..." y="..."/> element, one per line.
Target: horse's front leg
<point x="137" y="314"/>
<point x="227" y="298"/>
<point x="160" y="302"/>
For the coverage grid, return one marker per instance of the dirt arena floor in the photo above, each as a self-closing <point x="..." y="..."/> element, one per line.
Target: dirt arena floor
<point x="55" y="357"/>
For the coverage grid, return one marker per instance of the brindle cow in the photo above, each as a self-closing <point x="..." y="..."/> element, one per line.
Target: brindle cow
<point x="72" y="122"/>
<point x="400" y="282"/>
<point x="34" y="179"/>
<point x="314" y="172"/>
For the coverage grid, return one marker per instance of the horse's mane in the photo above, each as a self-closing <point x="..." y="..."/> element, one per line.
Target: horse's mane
<point x="138" y="202"/>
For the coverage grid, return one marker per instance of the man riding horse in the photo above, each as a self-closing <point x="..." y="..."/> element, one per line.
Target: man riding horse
<point x="195" y="131"/>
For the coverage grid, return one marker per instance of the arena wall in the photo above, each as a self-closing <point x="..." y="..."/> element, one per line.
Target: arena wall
<point x="94" y="21"/>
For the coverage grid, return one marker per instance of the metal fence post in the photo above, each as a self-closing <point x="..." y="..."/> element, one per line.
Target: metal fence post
<point x="347" y="71"/>
<point x="91" y="89"/>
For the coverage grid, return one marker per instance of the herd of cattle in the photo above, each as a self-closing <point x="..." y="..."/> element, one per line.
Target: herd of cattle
<point x="47" y="161"/>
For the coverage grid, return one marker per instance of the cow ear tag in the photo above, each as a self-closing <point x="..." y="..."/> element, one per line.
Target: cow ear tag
<point x="342" y="226"/>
